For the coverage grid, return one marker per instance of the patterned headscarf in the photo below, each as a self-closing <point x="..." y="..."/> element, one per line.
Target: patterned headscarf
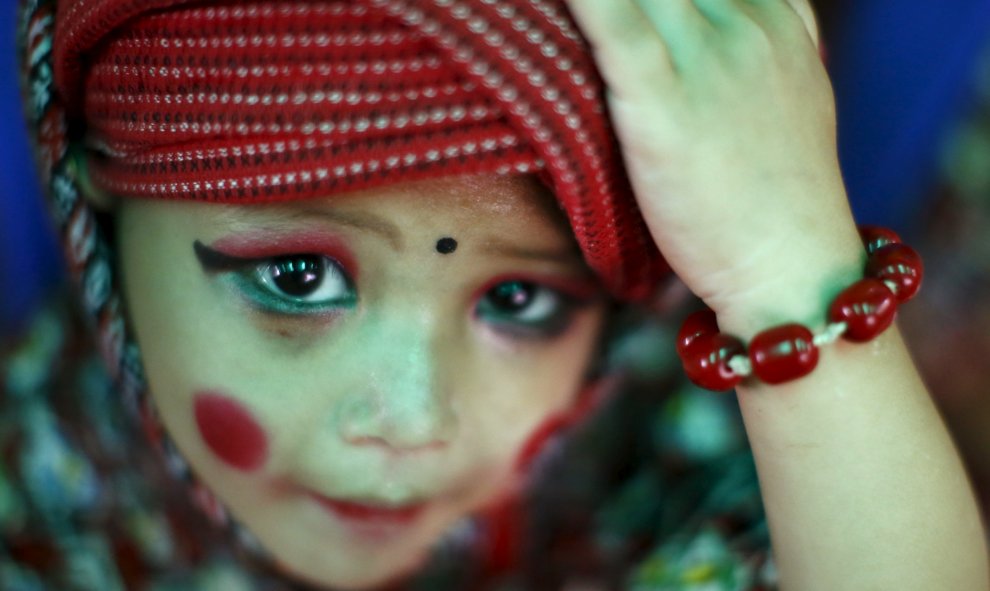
<point x="261" y="101"/>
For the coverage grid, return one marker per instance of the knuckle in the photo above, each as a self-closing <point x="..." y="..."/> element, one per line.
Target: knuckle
<point x="751" y="46"/>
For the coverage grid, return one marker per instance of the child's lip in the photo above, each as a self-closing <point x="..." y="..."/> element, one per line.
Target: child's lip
<point x="371" y="512"/>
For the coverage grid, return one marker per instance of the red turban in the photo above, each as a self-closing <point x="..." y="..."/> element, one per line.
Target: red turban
<point x="261" y="101"/>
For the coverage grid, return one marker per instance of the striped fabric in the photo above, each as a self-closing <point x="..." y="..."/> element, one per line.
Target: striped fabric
<point x="255" y="102"/>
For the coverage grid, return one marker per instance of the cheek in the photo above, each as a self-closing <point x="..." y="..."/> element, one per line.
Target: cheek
<point x="536" y="441"/>
<point x="230" y="431"/>
<point x="583" y="406"/>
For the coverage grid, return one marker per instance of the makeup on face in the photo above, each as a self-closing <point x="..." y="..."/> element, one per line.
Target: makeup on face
<point x="261" y="245"/>
<point x="446" y="245"/>
<point x="271" y="276"/>
<point x="230" y="431"/>
<point x="532" y="288"/>
<point x="368" y="520"/>
<point x="284" y="276"/>
<point x="531" y="306"/>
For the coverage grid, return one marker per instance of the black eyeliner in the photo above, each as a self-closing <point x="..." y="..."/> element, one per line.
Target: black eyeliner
<point x="214" y="261"/>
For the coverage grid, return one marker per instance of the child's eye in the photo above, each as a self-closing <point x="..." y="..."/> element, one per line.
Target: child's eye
<point x="290" y="284"/>
<point x="526" y="309"/>
<point x="296" y="284"/>
<point x="305" y="279"/>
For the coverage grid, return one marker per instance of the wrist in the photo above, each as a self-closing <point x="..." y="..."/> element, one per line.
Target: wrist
<point x="797" y="286"/>
<point x="718" y="361"/>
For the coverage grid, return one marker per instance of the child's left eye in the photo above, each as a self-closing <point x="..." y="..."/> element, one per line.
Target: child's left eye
<point x="526" y="309"/>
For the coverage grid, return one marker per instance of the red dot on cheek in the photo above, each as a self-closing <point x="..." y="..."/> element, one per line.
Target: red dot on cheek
<point x="230" y="431"/>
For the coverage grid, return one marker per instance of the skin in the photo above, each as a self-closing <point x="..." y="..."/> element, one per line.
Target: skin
<point x="861" y="482"/>
<point x="409" y="395"/>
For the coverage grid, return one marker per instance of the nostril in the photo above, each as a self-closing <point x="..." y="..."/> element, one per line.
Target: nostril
<point x="408" y="428"/>
<point x="396" y="447"/>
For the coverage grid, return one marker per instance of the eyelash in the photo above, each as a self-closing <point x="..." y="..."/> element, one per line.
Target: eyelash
<point x="552" y="324"/>
<point x="257" y="279"/>
<point x="248" y="274"/>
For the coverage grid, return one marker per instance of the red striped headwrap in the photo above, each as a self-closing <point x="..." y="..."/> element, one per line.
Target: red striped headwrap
<point x="261" y="101"/>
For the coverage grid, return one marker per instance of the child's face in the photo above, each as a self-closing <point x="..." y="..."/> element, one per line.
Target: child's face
<point x="348" y="390"/>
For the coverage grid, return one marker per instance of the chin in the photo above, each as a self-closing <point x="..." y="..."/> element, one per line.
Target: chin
<point x="366" y="581"/>
<point x="359" y="574"/>
<point x="333" y="545"/>
<point x="348" y="559"/>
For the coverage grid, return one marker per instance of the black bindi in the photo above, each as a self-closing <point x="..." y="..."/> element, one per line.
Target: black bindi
<point x="446" y="245"/>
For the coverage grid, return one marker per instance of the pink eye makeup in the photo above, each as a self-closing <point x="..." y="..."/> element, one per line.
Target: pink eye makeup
<point x="290" y="276"/>
<point x="268" y="245"/>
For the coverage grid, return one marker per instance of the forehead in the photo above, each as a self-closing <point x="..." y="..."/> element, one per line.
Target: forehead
<point x="517" y="206"/>
<point x="493" y="195"/>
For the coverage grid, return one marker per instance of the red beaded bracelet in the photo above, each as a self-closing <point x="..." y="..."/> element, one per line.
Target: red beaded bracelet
<point x="718" y="362"/>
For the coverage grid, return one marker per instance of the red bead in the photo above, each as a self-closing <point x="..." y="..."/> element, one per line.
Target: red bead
<point x="699" y="323"/>
<point x="867" y="307"/>
<point x="706" y="361"/>
<point x="876" y="237"/>
<point x="783" y="353"/>
<point x="900" y="264"/>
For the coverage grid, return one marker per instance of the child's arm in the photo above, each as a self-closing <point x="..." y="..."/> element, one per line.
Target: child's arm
<point x="726" y="120"/>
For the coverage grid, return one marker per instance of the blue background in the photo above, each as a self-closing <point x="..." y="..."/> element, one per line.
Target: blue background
<point x="29" y="263"/>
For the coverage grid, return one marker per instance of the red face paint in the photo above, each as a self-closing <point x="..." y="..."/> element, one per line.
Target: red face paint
<point x="230" y="431"/>
<point x="538" y="439"/>
<point x="590" y="398"/>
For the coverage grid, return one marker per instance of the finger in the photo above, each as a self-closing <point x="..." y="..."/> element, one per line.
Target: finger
<point x="626" y="45"/>
<point x="789" y="17"/>
<point x="683" y="27"/>
<point x="806" y="11"/>
<point x="719" y="13"/>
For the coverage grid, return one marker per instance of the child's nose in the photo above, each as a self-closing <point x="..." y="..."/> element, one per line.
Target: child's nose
<point x="402" y="401"/>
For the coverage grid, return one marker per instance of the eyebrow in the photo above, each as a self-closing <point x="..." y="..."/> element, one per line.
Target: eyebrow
<point x="364" y="221"/>
<point x="494" y="246"/>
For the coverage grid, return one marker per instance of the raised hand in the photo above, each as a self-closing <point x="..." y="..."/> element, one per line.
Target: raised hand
<point x="726" y="120"/>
